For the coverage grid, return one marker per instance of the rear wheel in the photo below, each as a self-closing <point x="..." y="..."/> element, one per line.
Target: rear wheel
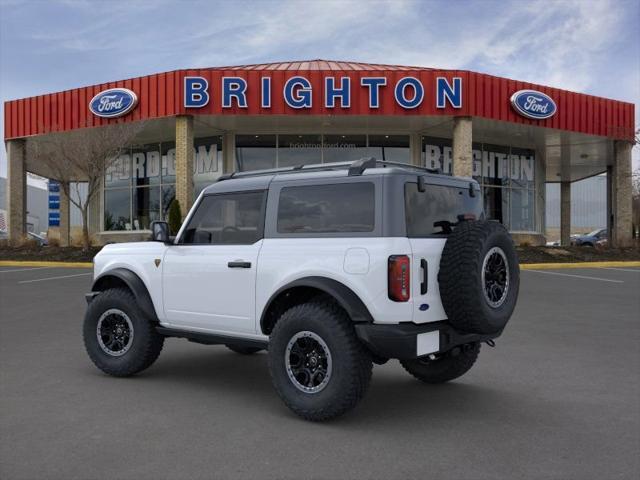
<point x="243" y="350"/>
<point x="118" y="337"/>
<point x="318" y="366"/>
<point x="448" y="366"/>
<point x="479" y="277"/>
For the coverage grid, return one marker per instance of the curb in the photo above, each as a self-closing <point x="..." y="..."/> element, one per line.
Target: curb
<point x="27" y="263"/>
<point x="523" y="266"/>
<point x="553" y="266"/>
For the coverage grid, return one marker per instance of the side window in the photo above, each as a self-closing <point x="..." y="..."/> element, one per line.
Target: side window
<point x="227" y="219"/>
<point x="337" y="208"/>
<point x="425" y="210"/>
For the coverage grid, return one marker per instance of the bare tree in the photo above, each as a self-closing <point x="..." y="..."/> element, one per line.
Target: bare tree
<point x="82" y="156"/>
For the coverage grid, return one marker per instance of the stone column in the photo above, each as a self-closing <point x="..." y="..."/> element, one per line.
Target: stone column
<point x="228" y="153"/>
<point x="16" y="190"/>
<point x="184" y="162"/>
<point x="621" y="186"/>
<point x="415" y="147"/>
<point x="65" y="217"/>
<point x="565" y="213"/>
<point x="462" y="147"/>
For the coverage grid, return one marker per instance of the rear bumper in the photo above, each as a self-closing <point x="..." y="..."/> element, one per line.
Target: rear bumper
<point x="408" y="340"/>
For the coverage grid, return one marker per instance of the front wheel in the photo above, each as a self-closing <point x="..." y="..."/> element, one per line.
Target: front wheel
<point x="450" y="365"/>
<point x="318" y="366"/>
<point x="118" y="337"/>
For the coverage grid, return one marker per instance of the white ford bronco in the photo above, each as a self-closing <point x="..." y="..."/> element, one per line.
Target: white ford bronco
<point x="330" y="268"/>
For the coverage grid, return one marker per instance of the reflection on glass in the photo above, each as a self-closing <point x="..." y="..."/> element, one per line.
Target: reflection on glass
<point x="118" y="173"/>
<point x="522" y="165"/>
<point x="168" y="194"/>
<point x="145" y="165"/>
<point x="495" y="204"/>
<point x="168" y="162"/>
<point x="344" y="148"/>
<point x="495" y="165"/>
<point x="522" y="205"/>
<point x="255" y="152"/>
<point x="207" y="162"/>
<point x="392" y="148"/>
<point x="146" y="207"/>
<point x="116" y="209"/>
<point x="327" y="208"/>
<point x="299" y="150"/>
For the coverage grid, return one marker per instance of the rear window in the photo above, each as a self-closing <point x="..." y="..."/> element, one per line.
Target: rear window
<point x="423" y="210"/>
<point x="338" y="208"/>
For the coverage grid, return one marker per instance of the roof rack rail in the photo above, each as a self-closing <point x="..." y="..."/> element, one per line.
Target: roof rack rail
<point x="361" y="165"/>
<point x="356" y="167"/>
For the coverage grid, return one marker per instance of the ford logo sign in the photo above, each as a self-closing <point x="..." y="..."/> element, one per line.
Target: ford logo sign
<point x="114" y="102"/>
<point x="533" y="104"/>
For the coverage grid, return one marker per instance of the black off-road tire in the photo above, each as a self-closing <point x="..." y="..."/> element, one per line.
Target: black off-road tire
<point x="451" y="365"/>
<point x="145" y="345"/>
<point x="351" y="363"/>
<point x="243" y="350"/>
<point x="460" y="278"/>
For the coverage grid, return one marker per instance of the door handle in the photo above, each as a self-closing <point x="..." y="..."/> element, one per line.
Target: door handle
<point x="425" y="276"/>
<point x="239" y="264"/>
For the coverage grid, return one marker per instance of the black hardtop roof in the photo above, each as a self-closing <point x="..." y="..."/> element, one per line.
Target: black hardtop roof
<point x="260" y="179"/>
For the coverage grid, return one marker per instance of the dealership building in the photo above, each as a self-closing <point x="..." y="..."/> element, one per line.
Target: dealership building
<point x="513" y="137"/>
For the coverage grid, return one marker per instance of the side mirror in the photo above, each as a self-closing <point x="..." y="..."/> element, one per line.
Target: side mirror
<point x="160" y="232"/>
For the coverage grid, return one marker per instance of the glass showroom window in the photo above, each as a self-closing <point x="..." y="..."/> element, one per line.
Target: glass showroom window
<point x="506" y="174"/>
<point x="392" y="148"/>
<point x="207" y="163"/>
<point x="256" y="152"/>
<point x="344" y="148"/>
<point x="139" y="187"/>
<point x="299" y="150"/>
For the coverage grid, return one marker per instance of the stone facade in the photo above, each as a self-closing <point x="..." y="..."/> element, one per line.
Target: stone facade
<point x="16" y="190"/>
<point x="621" y="195"/>
<point x="462" y="147"/>
<point x="565" y="213"/>
<point x="184" y="162"/>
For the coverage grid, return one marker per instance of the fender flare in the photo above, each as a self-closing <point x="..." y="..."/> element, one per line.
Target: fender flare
<point x="346" y="298"/>
<point x="134" y="283"/>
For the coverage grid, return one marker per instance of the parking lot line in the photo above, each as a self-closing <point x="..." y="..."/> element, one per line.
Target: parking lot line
<point x="55" y="278"/>
<point x="576" y="276"/>
<point x="622" y="269"/>
<point x="23" y="269"/>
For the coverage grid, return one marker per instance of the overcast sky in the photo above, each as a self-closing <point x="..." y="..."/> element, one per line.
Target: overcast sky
<point x="581" y="45"/>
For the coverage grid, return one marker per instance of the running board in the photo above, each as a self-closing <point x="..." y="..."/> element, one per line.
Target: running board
<point x="211" y="338"/>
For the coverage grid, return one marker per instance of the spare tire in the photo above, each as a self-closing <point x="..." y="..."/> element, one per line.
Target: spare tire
<point x="479" y="277"/>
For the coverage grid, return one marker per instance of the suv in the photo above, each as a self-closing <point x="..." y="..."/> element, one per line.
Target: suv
<point x="330" y="268"/>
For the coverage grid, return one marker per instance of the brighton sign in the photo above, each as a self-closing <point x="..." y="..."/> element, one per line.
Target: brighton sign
<point x="408" y="92"/>
<point x="113" y="103"/>
<point x="533" y="104"/>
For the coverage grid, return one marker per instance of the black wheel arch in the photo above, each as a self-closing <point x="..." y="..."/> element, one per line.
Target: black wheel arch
<point x="343" y="296"/>
<point x="123" y="277"/>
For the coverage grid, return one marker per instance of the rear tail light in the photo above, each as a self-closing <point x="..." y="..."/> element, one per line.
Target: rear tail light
<point x="399" y="278"/>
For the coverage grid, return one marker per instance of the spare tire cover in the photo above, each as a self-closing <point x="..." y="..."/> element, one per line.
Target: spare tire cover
<point x="479" y="277"/>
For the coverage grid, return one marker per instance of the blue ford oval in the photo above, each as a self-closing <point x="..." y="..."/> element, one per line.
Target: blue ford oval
<point x="533" y="104"/>
<point x="114" y="102"/>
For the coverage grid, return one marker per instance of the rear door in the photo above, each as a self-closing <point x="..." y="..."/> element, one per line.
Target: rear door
<point x="209" y="277"/>
<point x="429" y="215"/>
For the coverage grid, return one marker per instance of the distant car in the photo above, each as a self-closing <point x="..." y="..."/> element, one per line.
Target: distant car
<point x="42" y="241"/>
<point x="590" y="239"/>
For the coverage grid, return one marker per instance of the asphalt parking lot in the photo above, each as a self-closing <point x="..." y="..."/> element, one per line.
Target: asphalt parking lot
<point x="556" y="399"/>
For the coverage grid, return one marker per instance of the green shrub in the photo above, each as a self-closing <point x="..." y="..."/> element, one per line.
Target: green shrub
<point x="175" y="217"/>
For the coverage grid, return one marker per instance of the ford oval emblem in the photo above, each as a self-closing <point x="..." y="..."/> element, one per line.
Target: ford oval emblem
<point x="114" y="102"/>
<point x="533" y="104"/>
